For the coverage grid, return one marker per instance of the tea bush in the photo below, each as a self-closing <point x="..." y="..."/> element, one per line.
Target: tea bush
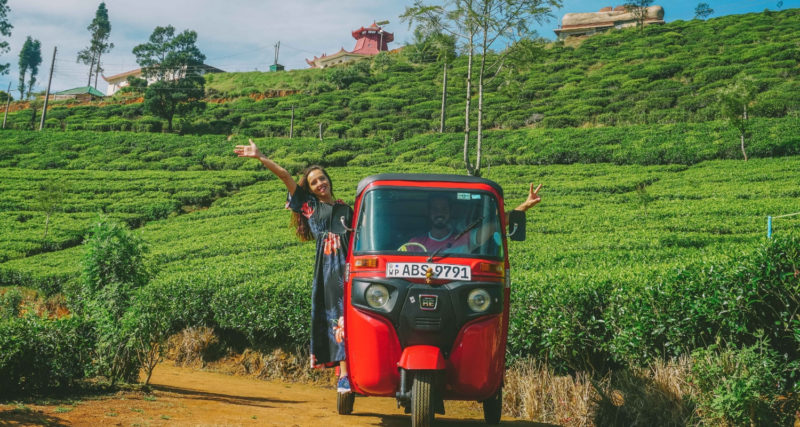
<point x="740" y="386"/>
<point x="113" y="270"/>
<point x="679" y="59"/>
<point x="38" y="354"/>
<point x="268" y="315"/>
<point x="10" y="303"/>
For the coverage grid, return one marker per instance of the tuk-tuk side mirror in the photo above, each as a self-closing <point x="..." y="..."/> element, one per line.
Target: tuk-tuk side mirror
<point x="516" y="225"/>
<point x="341" y="217"/>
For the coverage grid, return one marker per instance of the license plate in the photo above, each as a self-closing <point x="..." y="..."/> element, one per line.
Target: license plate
<point x="419" y="270"/>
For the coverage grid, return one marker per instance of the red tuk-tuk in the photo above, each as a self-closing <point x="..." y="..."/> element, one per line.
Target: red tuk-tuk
<point x="426" y="315"/>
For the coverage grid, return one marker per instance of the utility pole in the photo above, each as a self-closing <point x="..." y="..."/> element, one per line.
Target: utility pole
<point x="291" y="124"/>
<point x="320" y="131"/>
<point x="444" y="99"/>
<point x="8" y="102"/>
<point x="276" y="66"/>
<point x="47" y="93"/>
<point x="381" y="24"/>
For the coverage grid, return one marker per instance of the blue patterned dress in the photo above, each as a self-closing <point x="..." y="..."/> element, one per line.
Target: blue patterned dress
<point x="327" y="286"/>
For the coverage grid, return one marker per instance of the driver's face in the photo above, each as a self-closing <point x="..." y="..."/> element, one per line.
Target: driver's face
<point x="439" y="213"/>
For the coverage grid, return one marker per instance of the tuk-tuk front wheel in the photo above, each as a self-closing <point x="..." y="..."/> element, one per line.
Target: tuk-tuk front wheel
<point x="422" y="395"/>
<point x="344" y="403"/>
<point x="493" y="408"/>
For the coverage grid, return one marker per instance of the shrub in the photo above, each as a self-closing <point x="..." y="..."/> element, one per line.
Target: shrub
<point x="38" y="354"/>
<point x="262" y="312"/>
<point x="561" y="121"/>
<point x="113" y="269"/>
<point x="10" y="303"/>
<point x="738" y="386"/>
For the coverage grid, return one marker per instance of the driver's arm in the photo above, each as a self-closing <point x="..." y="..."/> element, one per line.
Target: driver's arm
<point x="485" y="233"/>
<point x="531" y="201"/>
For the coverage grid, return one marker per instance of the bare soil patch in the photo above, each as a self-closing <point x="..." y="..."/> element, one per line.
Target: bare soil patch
<point x="186" y="396"/>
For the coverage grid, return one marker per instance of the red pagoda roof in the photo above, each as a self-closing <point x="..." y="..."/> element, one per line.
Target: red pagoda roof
<point x="369" y="41"/>
<point x="373" y="29"/>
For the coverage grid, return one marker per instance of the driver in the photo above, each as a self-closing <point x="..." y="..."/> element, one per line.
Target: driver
<point x="443" y="237"/>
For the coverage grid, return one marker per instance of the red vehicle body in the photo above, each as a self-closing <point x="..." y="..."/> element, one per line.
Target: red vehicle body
<point x="424" y="325"/>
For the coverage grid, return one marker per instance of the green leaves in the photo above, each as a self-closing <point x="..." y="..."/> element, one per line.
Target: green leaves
<point x="175" y="64"/>
<point x="30" y="57"/>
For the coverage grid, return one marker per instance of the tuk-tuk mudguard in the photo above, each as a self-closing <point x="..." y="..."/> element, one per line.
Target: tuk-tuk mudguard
<point x="422" y="357"/>
<point x="475" y="367"/>
<point x="372" y="352"/>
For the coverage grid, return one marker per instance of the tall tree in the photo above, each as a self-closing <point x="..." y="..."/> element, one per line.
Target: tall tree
<point x="174" y="62"/>
<point x="734" y="102"/>
<point x="639" y="10"/>
<point x="100" y="29"/>
<point x="478" y="25"/>
<point x="30" y="57"/>
<point x="429" y="45"/>
<point x="5" y="30"/>
<point x="702" y="11"/>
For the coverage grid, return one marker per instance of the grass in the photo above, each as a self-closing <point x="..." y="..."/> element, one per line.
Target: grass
<point x="656" y="395"/>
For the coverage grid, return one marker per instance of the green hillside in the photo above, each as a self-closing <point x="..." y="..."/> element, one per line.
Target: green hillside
<point x="668" y="74"/>
<point x="649" y="244"/>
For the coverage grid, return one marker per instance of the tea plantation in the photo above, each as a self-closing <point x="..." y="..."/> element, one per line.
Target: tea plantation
<point x="603" y="231"/>
<point x="649" y="244"/>
<point x="669" y="74"/>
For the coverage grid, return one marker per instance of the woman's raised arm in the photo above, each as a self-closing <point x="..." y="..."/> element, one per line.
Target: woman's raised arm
<point x="251" y="150"/>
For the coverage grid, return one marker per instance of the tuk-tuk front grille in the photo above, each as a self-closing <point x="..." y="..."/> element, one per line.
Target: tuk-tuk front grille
<point x="428" y="323"/>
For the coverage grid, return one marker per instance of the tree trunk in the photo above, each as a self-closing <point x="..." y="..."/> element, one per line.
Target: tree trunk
<point x="466" y="113"/>
<point x="46" y="225"/>
<point x="21" y="86"/>
<point x="31" y="82"/>
<point x="484" y="49"/>
<point x="741" y="134"/>
<point x="91" y="70"/>
<point x="97" y="70"/>
<point x="444" y="99"/>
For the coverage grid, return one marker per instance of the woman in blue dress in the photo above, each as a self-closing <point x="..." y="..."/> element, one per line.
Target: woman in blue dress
<point x="311" y="201"/>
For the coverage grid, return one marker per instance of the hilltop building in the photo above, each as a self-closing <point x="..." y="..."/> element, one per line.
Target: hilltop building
<point x="369" y="41"/>
<point x="84" y="93"/>
<point x="586" y="24"/>
<point x="119" y="81"/>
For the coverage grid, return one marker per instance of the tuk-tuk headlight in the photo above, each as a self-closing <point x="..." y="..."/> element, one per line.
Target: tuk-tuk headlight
<point x="377" y="295"/>
<point x="479" y="300"/>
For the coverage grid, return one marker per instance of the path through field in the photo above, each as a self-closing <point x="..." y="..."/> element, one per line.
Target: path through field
<point x="183" y="396"/>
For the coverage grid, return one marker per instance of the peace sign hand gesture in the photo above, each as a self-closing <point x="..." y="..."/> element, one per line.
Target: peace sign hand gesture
<point x="532" y="200"/>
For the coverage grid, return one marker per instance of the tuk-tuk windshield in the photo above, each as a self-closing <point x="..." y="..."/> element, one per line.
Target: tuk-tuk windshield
<point x="414" y="221"/>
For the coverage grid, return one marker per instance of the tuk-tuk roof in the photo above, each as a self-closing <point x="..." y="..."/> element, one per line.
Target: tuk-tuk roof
<point x="425" y="177"/>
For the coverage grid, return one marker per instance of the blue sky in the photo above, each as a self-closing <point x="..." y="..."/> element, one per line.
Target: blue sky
<point x="238" y="35"/>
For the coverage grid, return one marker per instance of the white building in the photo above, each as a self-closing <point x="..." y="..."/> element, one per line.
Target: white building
<point x="119" y="81"/>
<point x="584" y="24"/>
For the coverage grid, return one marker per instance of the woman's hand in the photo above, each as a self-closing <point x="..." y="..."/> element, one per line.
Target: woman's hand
<point x="248" y="150"/>
<point x="252" y="151"/>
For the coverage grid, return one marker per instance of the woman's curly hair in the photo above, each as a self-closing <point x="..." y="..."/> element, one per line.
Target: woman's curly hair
<point x="299" y="221"/>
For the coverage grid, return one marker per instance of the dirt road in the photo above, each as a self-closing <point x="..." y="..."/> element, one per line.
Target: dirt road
<point x="183" y="396"/>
